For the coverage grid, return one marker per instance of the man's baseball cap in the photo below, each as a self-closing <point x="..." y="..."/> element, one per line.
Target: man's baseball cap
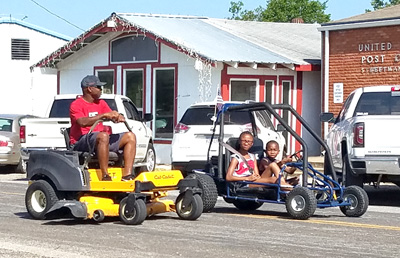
<point x="91" y="81"/>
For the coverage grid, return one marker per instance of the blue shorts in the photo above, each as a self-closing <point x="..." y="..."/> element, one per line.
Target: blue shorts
<point x="82" y="144"/>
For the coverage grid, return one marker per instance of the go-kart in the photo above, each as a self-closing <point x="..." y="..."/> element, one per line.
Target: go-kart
<point x="315" y="189"/>
<point x="64" y="183"/>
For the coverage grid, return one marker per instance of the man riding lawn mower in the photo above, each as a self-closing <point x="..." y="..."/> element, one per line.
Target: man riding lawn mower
<point x="96" y="184"/>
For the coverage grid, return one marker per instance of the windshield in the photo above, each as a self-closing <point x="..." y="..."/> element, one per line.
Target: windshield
<point x="60" y="108"/>
<point x="5" y="125"/>
<point x="204" y="116"/>
<point x="378" y="103"/>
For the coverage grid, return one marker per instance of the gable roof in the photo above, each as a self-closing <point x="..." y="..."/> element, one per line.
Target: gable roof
<point x="4" y="20"/>
<point x="381" y="17"/>
<point x="215" y="40"/>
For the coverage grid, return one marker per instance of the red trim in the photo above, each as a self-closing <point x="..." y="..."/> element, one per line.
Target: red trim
<point x="58" y="82"/>
<point x="299" y="106"/>
<point x="162" y="141"/>
<point x="308" y="68"/>
<point x="225" y="83"/>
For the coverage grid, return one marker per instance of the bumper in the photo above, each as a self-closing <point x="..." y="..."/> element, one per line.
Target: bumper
<point x="9" y="159"/>
<point x="377" y="165"/>
<point x="189" y="166"/>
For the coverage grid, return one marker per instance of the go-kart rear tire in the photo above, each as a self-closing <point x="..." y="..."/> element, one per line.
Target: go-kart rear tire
<point x="209" y="194"/>
<point x="245" y="205"/>
<point x="358" y="199"/>
<point x="301" y="203"/>
<point x="138" y="215"/>
<point x="39" y="198"/>
<point x="192" y="211"/>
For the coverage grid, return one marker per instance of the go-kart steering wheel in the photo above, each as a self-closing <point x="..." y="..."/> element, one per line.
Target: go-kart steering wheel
<point x="296" y="155"/>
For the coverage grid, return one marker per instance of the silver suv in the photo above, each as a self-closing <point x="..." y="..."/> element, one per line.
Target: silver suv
<point x="193" y="133"/>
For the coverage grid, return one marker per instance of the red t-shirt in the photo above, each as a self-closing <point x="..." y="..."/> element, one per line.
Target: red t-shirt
<point x="81" y="108"/>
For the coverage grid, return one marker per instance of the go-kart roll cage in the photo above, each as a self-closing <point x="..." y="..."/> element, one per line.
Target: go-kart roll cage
<point x="271" y="109"/>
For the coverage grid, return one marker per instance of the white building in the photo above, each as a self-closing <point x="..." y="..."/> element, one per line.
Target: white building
<point x="165" y="63"/>
<point x="21" y="45"/>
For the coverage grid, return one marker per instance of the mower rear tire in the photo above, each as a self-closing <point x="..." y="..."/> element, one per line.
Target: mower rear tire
<point x="209" y="194"/>
<point x="39" y="198"/>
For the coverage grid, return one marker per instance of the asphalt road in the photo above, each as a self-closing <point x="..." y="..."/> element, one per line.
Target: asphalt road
<point x="225" y="232"/>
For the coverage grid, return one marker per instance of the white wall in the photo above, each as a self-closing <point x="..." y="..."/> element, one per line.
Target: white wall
<point x="312" y="109"/>
<point x="20" y="93"/>
<point x="73" y="69"/>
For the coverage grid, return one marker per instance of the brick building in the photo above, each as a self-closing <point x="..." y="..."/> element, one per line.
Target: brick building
<point x="362" y="50"/>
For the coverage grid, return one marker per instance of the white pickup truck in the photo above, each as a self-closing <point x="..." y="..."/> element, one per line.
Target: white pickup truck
<point x="363" y="140"/>
<point x="46" y="133"/>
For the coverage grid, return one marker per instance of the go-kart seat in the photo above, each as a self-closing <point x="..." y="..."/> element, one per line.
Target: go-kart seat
<point x="257" y="149"/>
<point x="112" y="156"/>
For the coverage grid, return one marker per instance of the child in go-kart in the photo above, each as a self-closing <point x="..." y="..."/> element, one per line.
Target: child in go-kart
<point x="270" y="166"/>
<point x="238" y="169"/>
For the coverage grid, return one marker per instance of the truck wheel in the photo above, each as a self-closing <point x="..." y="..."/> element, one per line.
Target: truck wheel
<point x="245" y="205"/>
<point x="209" y="194"/>
<point x="301" y="203"/>
<point x="150" y="159"/>
<point x="21" y="167"/>
<point x="349" y="177"/>
<point x="132" y="215"/>
<point x="189" y="209"/>
<point x="358" y="200"/>
<point x="40" y="197"/>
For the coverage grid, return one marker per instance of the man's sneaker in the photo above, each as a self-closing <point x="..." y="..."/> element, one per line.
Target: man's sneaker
<point x="127" y="178"/>
<point x="106" y="178"/>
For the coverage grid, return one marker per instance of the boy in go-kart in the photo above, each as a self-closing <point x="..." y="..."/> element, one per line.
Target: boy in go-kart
<point x="271" y="167"/>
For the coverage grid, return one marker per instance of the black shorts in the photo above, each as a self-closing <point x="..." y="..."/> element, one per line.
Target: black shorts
<point x="82" y="144"/>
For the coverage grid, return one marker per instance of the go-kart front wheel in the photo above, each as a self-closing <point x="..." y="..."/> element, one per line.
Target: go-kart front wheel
<point x="358" y="199"/>
<point x="39" y="198"/>
<point x="132" y="213"/>
<point x="301" y="203"/>
<point x="189" y="206"/>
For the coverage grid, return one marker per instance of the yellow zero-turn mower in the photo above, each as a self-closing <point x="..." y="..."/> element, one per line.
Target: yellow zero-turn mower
<point x="61" y="184"/>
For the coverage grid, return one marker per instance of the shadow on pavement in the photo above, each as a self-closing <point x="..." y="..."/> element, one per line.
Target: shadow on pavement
<point x="385" y="195"/>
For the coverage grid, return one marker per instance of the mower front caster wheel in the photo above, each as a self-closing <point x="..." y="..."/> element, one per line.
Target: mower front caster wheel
<point x="132" y="213"/>
<point x="189" y="206"/>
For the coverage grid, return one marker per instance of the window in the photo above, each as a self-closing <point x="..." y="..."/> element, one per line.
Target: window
<point x="20" y="49"/>
<point x="134" y="86"/>
<point x="108" y="78"/>
<point x="164" y="103"/>
<point x="378" y="103"/>
<point x="345" y="108"/>
<point x="134" y="49"/>
<point x="243" y="90"/>
<point x="131" y="111"/>
<point x="5" y="125"/>
<point x="268" y="91"/>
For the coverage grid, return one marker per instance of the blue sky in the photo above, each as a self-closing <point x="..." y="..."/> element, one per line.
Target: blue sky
<point x="86" y="13"/>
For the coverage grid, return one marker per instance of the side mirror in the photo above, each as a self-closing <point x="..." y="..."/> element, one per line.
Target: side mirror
<point x="326" y="117"/>
<point x="147" y="117"/>
<point x="280" y="128"/>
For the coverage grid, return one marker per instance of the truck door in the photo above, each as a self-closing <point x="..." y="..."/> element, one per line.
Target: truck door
<point x="138" y="127"/>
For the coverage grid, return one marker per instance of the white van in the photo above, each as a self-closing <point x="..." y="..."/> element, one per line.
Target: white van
<point x="193" y="133"/>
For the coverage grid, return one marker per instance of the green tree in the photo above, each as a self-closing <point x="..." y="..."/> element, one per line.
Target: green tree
<point x="310" y="11"/>
<point x="379" y="4"/>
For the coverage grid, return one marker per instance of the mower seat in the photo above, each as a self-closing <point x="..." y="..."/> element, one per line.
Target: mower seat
<point x="112" y="156"/>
